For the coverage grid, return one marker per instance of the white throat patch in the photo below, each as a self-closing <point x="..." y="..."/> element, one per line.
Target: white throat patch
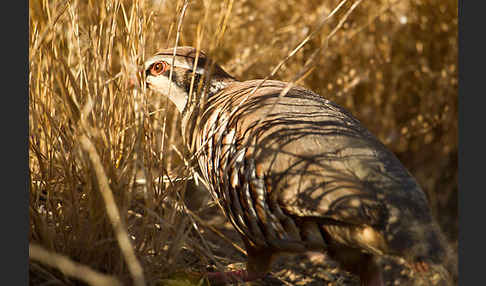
<point x="166" y="87"/>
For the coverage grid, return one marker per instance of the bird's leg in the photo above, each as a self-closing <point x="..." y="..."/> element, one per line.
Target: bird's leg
<point x="259" y="262"/>
<point x="360" y="264"/>
<point x="370" y="273"/>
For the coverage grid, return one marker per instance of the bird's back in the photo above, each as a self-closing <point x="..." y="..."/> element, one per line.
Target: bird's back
<point x="295" y="169"/>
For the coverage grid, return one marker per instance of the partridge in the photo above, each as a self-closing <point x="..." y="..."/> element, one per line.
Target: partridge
<point x="295" y="172"/>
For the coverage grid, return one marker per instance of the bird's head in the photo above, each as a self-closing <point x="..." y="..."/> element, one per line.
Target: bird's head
<point x="173" y="76"/>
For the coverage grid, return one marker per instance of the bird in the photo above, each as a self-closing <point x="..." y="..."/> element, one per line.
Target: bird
<point x="295" y="172"/>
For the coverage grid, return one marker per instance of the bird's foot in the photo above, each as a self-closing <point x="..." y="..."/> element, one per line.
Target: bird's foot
<point x="219" y="278"/>
<point x="228" y="277"/>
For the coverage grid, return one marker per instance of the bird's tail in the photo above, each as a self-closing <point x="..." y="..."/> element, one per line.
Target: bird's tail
<point x="426" y="249"/>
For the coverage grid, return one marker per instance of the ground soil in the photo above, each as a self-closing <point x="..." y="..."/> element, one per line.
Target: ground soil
<point x="302" y="269"/>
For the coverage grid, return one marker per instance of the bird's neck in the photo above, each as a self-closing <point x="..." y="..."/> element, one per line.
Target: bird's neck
<point x="197" y="104"/>
<point x="216" y="86"/>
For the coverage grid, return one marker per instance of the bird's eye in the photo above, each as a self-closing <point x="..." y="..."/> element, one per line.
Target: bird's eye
<point x="158" y="68"/>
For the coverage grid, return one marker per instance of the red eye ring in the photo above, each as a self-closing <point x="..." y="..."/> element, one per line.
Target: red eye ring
<point x="158" y="68"/>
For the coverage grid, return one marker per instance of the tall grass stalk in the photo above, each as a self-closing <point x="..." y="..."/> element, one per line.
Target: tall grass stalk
<point x="112" y="193"/>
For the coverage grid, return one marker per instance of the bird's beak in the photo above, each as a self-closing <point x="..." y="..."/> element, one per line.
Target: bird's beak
<point x="135" y="77"/>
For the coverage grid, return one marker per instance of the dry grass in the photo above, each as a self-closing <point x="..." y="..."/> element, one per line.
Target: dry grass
<point x="106" y="159"/>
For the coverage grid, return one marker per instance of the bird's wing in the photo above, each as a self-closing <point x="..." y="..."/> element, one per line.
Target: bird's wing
<point x="321" y="160"/>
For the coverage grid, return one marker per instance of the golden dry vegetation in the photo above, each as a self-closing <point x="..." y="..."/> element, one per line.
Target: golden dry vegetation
<point x="110" y="197"/>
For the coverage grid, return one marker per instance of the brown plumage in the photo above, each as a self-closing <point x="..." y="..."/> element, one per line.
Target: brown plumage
<point x="293" y="171"/>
